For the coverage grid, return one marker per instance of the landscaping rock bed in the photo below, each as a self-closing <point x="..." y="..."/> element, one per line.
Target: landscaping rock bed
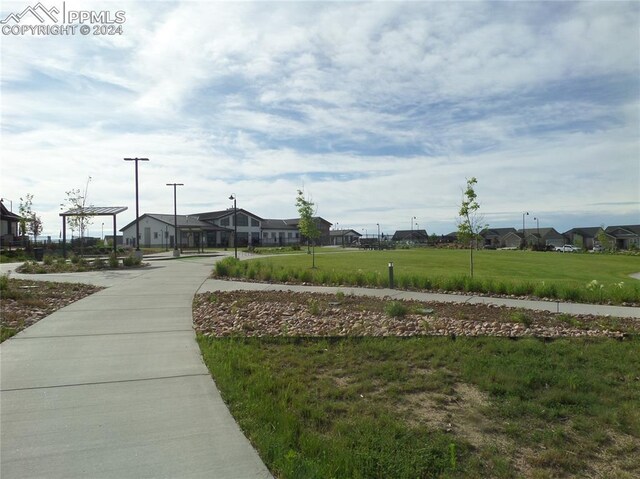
<point x="277" y="313"/>
<point x="24" y="303"/>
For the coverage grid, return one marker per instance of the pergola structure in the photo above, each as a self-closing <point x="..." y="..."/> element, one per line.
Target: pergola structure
<point x="90" y="211"/>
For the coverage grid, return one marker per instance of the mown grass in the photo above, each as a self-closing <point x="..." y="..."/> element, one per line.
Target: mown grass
<point x="364" y="408"/>
<point x="570" y="277"/>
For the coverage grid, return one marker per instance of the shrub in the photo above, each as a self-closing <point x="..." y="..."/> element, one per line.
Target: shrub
<point x="113" y="260"/>
<point x="4" y="282"/>
<point x="99" y="263"/>
<point x="48" y="259"/>
<point x="396" y="309"/>
<point x="314" y="307"/>
<point x="131" y="260"/>
<point x="74" y="258"/>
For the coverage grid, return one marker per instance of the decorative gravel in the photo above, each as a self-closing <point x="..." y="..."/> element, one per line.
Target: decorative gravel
<point x="275" y="313"/>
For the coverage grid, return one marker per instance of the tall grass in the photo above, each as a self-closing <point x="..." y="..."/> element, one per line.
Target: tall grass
<point x="615" y="293"/>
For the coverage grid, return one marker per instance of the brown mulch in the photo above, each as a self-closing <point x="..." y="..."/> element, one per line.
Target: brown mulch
<point x="26" y="302"/>
<point x="277" y="313"/>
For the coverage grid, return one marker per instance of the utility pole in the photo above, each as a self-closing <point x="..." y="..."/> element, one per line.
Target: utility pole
<point x="176" y="251"/>
<point x="137" y="206"/>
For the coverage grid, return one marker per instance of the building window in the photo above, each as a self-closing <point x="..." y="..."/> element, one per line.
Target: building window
<point x="255" y="223"/>
<point x="243" y="220"/>
<point x="224" y="221"/>
<point x="265" y="235"/>
<point x="155" y="235"/>
<point x="289" y="235"/>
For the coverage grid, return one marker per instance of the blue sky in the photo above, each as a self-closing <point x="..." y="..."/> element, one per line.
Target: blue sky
<point x="380" y="111"/>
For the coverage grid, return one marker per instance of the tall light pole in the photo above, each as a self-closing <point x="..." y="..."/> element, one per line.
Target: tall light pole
<point x="538" y="229"/>
<point x="176" y="251"/>
<point x="378" y="225"/>
<point x="412" y="218"/>
<point x="137" y="205"/>
<point x="235" y="225"/>
<point x="524" y="233"/>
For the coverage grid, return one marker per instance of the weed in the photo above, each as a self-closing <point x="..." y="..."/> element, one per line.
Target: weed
<point x="213" y="299"/>
<point x="340" y="296"/>
<point x="48" y="259"/>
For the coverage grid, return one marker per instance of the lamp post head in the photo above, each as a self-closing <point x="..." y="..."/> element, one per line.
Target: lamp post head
<point x="232" y="197"/>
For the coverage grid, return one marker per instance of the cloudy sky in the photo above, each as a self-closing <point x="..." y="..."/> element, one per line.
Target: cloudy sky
<point x="380" y="111"/>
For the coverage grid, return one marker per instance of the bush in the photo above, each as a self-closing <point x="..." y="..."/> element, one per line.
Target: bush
<point x="131" y="260"/>
<point x="113" y="260"/>
<point x="4" y="282"/>
<point x="48" y="259"/>
<point x="74" y="258"/>
<point x="99" y="263"/>
<point x="396" y="309"/>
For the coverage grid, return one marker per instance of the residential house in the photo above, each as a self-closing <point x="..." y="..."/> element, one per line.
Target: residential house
<point x="494" y="237"/>
<point x="625" y="237"/>
<point x="585" y="238"/>
<point x="415" y="236"/>
<point x="343" y="237"/>
<point x="512" y="239"/>
<point x="542" y="237"/>
<point x="9" y="229"/>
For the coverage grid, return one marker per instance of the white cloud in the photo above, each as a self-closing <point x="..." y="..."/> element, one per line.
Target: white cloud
<point x="380" y="109"/>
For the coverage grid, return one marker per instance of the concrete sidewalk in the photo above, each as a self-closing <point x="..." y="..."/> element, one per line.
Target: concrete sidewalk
<point x="552" y="306"/>
<point x="114" y="386"/>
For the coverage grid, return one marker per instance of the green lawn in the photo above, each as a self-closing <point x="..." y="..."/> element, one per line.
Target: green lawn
<point x="548" y="274"/>
<point x="434" y="407"/>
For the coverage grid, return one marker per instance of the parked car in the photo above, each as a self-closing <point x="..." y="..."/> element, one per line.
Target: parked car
<point x="597" y="249"/>
<point x="567" y="248"/>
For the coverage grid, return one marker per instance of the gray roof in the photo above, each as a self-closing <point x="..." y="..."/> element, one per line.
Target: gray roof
<point x="279" y="225"/>
<point x="214" y="215"/>
<point x="589" y="232"/>
<point x="343" y="232"/>
<point x="184" y="222"/>
<point x="633" y="230"/>
<point x="95" y="211"/>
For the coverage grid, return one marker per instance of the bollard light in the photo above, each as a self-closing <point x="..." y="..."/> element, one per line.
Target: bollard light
<point x="391" y="274"/>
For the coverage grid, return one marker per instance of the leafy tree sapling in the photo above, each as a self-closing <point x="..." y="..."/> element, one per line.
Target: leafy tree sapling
<point x="307" y="226"/>
<point x="470" y="222"/>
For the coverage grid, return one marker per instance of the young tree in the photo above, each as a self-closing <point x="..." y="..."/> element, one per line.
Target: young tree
<point x="470" y="222"/>
<point x="30" y="222"/>
<point x="307" y="226"/>
<point x="604" y="240"/>
<point x="81" y="221"/>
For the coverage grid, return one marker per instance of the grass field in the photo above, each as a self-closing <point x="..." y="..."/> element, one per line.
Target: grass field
<point x="568" y="276"/>
<point x="434" y="407"/>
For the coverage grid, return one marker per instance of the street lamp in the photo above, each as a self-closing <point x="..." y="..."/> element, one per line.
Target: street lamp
<point x="524" y="233"/>
<point x="137" y="204"/>
<point x="235" y="225"/>
<point x="538" y="229"/>
<point x="412" y="218"/>
<point x="378" y="225"/>
<point x="176" y="251"/>
<point x="102" y="232"/>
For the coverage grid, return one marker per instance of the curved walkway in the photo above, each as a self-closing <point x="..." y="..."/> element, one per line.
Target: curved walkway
<point x="113" y="386"/>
